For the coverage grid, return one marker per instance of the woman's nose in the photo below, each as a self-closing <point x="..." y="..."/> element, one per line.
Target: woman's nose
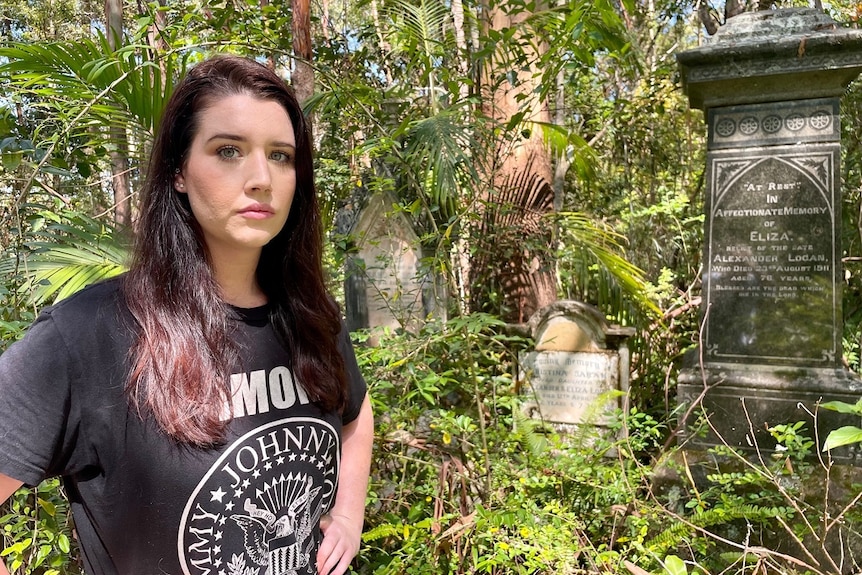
<point x="259" y="177"/>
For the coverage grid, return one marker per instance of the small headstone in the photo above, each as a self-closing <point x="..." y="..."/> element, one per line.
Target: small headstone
<point x="577" y="361"/>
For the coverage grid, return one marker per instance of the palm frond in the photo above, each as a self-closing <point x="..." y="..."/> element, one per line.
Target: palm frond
<point x="420" y="26"/>
<point x="564" y="142"/>
<point x="65" y="256"/>
<point x="85" y="88"/>
<point x="595" y="244"/>
<point x="440" y="145"/>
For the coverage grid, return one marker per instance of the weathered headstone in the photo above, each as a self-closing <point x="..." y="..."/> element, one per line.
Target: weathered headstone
<point x="385" y="285"/>
<point x="578" y="359"/>
<point x="771" y="348"/>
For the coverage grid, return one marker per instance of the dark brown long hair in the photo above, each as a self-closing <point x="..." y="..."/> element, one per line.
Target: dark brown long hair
<point x="183" y="357"/>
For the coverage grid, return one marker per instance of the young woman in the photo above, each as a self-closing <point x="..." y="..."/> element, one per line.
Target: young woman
<point x="205" y="410"/>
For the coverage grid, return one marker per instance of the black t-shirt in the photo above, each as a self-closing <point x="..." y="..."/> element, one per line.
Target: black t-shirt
<point x="144" y="504"/>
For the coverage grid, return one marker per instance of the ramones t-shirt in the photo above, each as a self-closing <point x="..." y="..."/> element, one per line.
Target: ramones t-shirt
<point x="144" y="504"/>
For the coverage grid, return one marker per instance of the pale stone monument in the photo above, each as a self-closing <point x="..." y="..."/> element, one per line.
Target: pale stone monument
<point x="578" y="359"/>
<point x="772" y="337"/>
<point x="385" y="284"/>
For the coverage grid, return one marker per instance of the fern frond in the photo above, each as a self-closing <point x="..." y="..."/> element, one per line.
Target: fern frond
<point x="382" y="531"/>
<point x="526" y="433"/>
<point x="672" y="536"/>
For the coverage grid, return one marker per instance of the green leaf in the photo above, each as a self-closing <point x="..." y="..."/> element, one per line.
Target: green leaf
<point x="673" y="565"/>
<point x="42" y="554"/>
<point x="842" y="407"/>
<point x="17" y="548"/>
<point x="9" y="143"/>
<point x="842" y="436"/>
<point x="63" y="543"/>
<point x="49" y="507"/>
<point x="11" y="160"/>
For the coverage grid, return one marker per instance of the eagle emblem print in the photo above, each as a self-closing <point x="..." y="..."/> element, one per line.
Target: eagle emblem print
<point x="257" y="511"/>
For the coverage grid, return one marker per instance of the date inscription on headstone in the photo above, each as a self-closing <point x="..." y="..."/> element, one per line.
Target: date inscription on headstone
<point x="771" y="259"/>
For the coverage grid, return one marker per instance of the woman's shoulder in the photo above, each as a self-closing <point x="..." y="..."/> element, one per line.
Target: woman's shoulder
<point x="93" y="303"/>
<point x="91" y="322"/>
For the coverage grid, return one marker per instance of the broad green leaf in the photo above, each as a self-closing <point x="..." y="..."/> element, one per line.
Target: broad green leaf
<point x="842" y="436"/>
<point x="842" y="407"/>
<point x="63" y="543"/>
<point x="673" y="565"/>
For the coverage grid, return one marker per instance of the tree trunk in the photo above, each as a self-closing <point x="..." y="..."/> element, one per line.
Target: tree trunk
<point x="325" y="19"/>
<point x="562" y="163"/>
<point x="514" y="256"/>
<point x="120" y="153"/>
<point x="302" y="78"/>
<point x="382" y="42"/>
<point x="155" y="39"/>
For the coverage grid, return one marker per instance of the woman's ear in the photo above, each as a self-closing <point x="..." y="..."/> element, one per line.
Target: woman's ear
<point x="179" y="183"/>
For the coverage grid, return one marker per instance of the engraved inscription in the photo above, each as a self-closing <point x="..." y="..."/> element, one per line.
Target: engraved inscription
<point x="770" y="276"/>
<point x="568" y="385"/>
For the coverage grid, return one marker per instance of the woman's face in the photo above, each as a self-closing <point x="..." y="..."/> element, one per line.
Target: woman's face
<point x="240" y="174"/>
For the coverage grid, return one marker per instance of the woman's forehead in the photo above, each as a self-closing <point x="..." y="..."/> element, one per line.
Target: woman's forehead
<point x="246" y="115"/>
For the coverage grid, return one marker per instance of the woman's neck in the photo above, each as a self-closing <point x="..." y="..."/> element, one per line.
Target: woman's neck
<point x="237" y="278"/>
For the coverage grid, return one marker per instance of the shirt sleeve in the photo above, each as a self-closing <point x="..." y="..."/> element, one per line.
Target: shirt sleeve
<point x="35" y="376"/>
<point x="355" y="382"/>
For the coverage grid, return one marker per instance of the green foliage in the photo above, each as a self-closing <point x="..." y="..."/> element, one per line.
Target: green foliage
<point x="643" y="433"/>
<point x="793" y="441"/>
<point x="455" y="486"/>
<point x="86" y="85"/>
<point x="84" y="101"/>
<point x="594" y="269"/>
<point x="848" y="434"/>
<point x="61" y="253"/>
<point x="37" y="532"/>
<point x="672" y="537"/>
<point x="464" y="481"/>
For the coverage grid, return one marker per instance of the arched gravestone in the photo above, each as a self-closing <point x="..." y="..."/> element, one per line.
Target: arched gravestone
<point x="577" y="360"/>
<point x="772" y="326"/>
<point x="386" y="284"/>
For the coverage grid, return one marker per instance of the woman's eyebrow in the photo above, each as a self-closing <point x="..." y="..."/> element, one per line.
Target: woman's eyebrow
<point x="238" y="138"/>
<point x="226" y="136"/>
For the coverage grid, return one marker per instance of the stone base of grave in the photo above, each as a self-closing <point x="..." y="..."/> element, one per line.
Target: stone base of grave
<point x="741" y="403"/>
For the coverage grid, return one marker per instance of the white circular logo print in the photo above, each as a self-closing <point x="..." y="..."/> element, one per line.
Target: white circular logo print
<point x="257" y="511"/>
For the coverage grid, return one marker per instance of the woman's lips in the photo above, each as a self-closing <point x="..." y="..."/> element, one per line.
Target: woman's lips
<point x="258" y="211"/>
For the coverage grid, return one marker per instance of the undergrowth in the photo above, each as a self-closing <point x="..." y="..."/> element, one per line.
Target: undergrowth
<point x="464" y="482"/>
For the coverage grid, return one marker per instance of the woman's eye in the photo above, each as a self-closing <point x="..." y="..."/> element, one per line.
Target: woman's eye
<point x="283" y="157"/>
<point x="228" y="152"/>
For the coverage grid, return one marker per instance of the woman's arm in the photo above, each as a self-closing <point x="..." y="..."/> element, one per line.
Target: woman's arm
<point x="8" y="486"/>
<point x="342" y="528"/>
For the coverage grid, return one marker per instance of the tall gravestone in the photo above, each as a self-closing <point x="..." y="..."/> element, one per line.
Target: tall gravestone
<point x="772" y="320"/>
<point x="385" y="284"/>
